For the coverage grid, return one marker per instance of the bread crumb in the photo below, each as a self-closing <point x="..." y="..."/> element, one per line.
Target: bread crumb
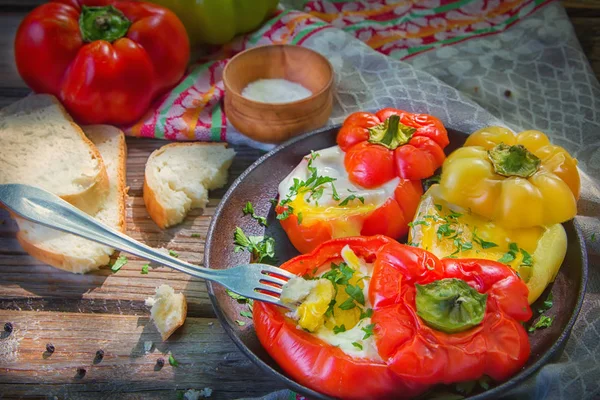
<point x="168" y="311"/>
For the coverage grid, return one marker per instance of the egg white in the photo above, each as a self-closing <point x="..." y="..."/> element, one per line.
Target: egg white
<point x="330" y="162"/>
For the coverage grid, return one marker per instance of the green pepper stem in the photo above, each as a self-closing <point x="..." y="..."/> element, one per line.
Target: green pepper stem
<point x="513" y="160"/>
<point x="391" y="133"/>
<point x="450" y="305"/>
<point x="102" y="23"/>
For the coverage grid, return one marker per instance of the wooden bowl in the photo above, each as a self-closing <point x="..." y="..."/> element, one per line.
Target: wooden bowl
<point x="277" y="122"/>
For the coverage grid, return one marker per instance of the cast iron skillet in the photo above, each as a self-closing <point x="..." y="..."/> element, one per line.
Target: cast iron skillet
<point x="259" y="183"/>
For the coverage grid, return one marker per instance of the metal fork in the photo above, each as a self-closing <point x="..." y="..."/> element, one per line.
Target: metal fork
<point x="255" y="281"/>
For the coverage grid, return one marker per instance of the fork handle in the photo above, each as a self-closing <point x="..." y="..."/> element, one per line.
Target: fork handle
<point x="47" y="209"/>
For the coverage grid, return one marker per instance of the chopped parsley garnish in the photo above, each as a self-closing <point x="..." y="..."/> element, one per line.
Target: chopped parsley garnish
<point x="289" y="210"/>
<point x="366" y="313"/>
<point x="312" y="186"/>
<point x="339" y="274"/>
<point x="260" y="247"/>
<point x="195" y="235"/>
<point x="119" y="263"/>
<point x="368" y="330"/>
<point x="483" y="243"/>
<point x="507" y="258"/>
<point x="527" y="259"/>
<point x="173" y="253"/>
<point x="339" y="329"/>
<point x="173" y="361"/>
<point x="548" y="303"/>
<point x="249" y="210"/>
<point x="329" y="312"/>
<point x="438" y="206"/>
<point x="543" y="322"/>
<point x="350" y="198"/>
<point x="145" y="269"/>
<point x="357" y="345"/>
<point x="356" y="293"/>
<point x="240" y="323"/>
<point x="454" y="215"/>
<point x="419" y="222"/>
<point x="593" y="238"/>
<point x="348" y="304"/>
<point x="461" y="246"/>
<point x="413" y="244"/>
<point x="299" y="218"/>
<point x="236" y="296"/>
<point x="510" y="255"/>
<point x="444" y="230"/>
<point x="246" y="314"/>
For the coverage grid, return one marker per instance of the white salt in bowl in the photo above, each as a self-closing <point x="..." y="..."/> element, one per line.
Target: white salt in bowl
<point x="275" y="122"/>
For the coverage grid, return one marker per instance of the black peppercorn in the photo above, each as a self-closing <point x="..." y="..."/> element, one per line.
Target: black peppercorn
<point x="99" y="356"/>
<point x="160" y="362"/>
<point x="81" y="372"/>
<point x="50" y="348"/>
<point x="8" y="327"/>
<point x="507" y="93"/>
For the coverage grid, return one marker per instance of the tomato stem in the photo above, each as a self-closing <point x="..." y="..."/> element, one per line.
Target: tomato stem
<point x="102" y="23"/>
<point x="391" y="133"/>
<point x="513" y="160"/>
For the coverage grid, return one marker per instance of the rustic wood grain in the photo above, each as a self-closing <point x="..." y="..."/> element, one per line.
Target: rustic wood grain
<point x="80" y="314"/>
<point x="26" y="283"/>
<point x="206" y="357"/>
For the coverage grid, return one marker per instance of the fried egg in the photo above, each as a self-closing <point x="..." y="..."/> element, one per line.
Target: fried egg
<point x="345" y="323"/>
<point x="330" y="163"/>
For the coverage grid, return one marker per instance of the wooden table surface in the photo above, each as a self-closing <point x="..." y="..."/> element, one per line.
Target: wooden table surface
<point x="80" y="314"/>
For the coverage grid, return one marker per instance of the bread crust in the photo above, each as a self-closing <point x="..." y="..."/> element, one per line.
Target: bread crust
<point x="65" y="261"/>
<point x="155" y="209"/>
<point x="165" y="335"/>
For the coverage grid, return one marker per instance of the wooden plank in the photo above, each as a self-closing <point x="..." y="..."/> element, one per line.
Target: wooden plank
<point x="206" y="356"/>
<point x="27" y="284"/>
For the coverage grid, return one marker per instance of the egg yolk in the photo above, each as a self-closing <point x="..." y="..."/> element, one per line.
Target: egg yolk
<point x="336" y="299"/>
<point x="535" y="253"/>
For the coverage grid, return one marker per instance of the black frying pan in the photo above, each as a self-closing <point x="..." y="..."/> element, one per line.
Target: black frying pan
<point x="259" y="183"/>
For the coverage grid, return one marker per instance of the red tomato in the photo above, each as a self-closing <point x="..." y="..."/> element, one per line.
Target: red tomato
<point x="102" y="74"/>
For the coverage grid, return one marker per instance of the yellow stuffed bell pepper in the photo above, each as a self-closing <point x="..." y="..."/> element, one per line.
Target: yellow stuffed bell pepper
<point x="447" y="230"/>
<point x="518" y="181"/>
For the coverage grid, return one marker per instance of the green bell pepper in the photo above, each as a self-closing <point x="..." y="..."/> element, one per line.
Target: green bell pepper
<point x="218" y="21"/>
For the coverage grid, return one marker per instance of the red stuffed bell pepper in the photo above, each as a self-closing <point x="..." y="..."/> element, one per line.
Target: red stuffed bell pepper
<point x="421" y="321"/>
<point x="391" y="143"/>
<point x="105" y="60"/>
<point x="317" y="202"/>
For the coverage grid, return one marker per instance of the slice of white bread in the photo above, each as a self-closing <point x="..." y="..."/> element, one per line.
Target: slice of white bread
<point x="178" y="177"/>
<point x="73" y="253"/>
<point x="42" y="146"/>
<point x="168" y="311"/>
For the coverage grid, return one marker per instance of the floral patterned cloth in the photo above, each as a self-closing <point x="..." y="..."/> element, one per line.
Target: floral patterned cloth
<point x="400" y="29"/>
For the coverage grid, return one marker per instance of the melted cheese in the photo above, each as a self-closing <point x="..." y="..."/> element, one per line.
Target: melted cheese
<point x="345" y="219"/>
